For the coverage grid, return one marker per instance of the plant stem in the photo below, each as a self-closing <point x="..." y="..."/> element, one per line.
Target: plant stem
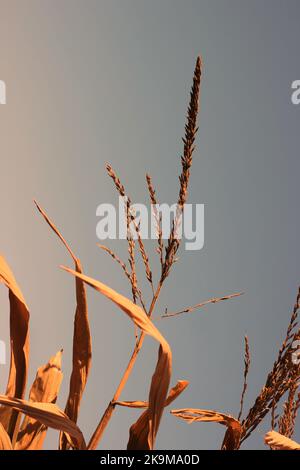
<point x="96" y="437"/>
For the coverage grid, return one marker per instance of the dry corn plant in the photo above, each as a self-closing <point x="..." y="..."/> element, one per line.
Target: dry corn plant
<point x="40" y="411"/>
<point x="282" y="383"/>
<point x="24" y="422"/>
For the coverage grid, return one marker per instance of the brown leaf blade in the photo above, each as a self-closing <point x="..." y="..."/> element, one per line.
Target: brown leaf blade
<point x="173" y="394"/>
<point x="233" y="434"/>
<point x="49" y="415"/>
<point x="19" y="339"/>
<point x="162" y="374"/>
<point x="45" y="388"/>
<point x="279" y="442"/>
<point x="140" y="429"/>
<point x="5" y="442"/>
<point x="82" y="353"/>
<point x="82" y="343"/>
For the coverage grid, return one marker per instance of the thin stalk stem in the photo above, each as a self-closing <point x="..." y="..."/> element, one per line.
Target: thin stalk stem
<point x="97" y="436"/>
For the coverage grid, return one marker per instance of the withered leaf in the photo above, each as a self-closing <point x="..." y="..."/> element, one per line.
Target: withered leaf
<point x="140" y="430"/>
<point x="5" y="442"/>
<point x="50" y="415"/>
<point x="279" y="442"/>
<point x="19" y="339"/>
<point x="82" y="344"/>
<point x="162" y="374"/>
<point x="173" y="394"/>
<point x="45" y="388"/>
<point x="233" y="434"/>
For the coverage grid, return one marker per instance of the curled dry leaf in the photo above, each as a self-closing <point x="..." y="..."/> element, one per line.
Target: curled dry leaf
<point x="5" y="442"/>
<point x="82" y="343"/>
<point x="50" y="415"/>
<point x="140" y="429"/>
<point x="162" y="374"/>
<point x="233" y="434"/>
<point x="132" y="404"/>
<point x="173" y="394"/>
<point x="19" y="340"/>
<point x="45" y="388"/>
<point x="279" y="442"/>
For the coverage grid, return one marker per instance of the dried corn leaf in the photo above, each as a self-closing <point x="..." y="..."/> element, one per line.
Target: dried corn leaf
<point x="233" y="434"/>
<point x="162" y="374"/>
<point x="174" y="392"/>
<point x="19" y="339"/>
<point x="50" y="415"/>
<point x="132" y="404"/>
<point x="82" y="344"/>
<point x="279" y="442"/>
<point x="140" y="429"/>
<point x="45" y="388"/>
<point x="5" y="442"/>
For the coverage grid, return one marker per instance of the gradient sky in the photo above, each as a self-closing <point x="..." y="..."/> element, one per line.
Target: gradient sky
<point x="95" y="81"/>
